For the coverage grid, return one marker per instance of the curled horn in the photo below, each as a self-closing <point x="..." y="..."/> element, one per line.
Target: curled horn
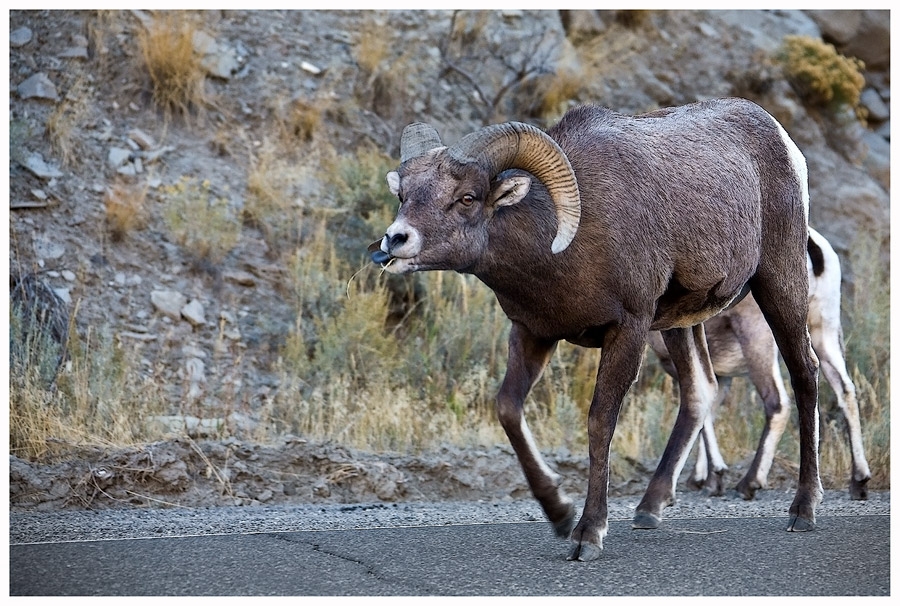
<point x="418" y="138"/>
<point x="519" y="145"/>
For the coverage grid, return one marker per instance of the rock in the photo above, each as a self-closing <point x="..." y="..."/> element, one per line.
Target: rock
<point x="242" y="278"/>
<point x="46" y="248"/>
<point x="864" y="34"/>
<point x="877" y="108"/>
<point x="117" y="157"/>
<point x="38" y="86"/>
<point x="20" y="37"/>
<point x="878" y="158"/>
<point x="36" y="165"/>
<point x="845" y="202"/>
<point x="143" y="140"/>
<point x="193" y="313"/>
<point x="183" y="424"/>
<point x="168" y="302"/>
<point x="63" y="293"/>
<point x="75" y="52"/>
<point x="218" y="61"/>
<point x="138" y="336"/>
<point x="195" y="370"/>
<point x="309" y="67"/>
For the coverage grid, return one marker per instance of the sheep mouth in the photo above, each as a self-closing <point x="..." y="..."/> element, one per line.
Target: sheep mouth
<point x="392" y="264"/>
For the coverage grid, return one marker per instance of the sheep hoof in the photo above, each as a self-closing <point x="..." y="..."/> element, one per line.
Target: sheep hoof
<point x="584" y="552"/>
<point x="644" y="520"/>
<point x="747" y="489"/>
<point x="858" y="490"/>
<point x="563" y="528"/>
<point x="798" y="524"/>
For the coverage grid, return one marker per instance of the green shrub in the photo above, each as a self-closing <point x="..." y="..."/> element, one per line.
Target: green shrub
<point x="200" y="222"/>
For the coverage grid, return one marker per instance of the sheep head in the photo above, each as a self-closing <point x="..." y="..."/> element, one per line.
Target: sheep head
<point x="449" y="194"/>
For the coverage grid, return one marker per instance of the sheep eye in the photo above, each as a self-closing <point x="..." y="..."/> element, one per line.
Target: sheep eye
<point x="467" y="200"/>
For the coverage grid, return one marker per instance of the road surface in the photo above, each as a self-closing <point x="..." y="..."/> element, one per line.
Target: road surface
<point x="708" y="547"/>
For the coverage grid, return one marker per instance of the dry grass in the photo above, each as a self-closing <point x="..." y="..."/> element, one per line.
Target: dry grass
<point x="102" y="398"/>
<point x="66" y="119"/>
<point x="176" y="75"/>
<point x="373" y="46"/>
<point x="271" y="201"/>
<point x="126" y="211"/>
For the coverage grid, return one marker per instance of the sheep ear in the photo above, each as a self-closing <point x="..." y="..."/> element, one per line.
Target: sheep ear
<point x="393" y="181"/>
<point x="510" y="191"/>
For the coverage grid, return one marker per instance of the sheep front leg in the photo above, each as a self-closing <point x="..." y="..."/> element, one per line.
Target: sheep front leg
<point x="528" y="356"/>
<point x="697" y="387"/>
<point x="623" y="350"/>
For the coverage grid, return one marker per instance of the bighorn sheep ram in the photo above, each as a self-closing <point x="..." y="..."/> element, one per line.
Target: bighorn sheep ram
<point x="740" y="343"/>
<point x="604" y="228"/>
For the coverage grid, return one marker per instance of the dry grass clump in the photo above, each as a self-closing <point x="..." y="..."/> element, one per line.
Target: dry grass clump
<point x="102" y="397"/>
<point x="38" y="330"/>
<point x="271" y="203"/>
<point x="382" y="72"/>
<point x="373" y="46"/>
<point x="822" y="76"/>
<point x="298" y="119"/>
<point x="175" y="70"/>
<point x="67" y="118"/>
<point x="202" y="223"/>
<point x="633" y="18"/>
<point x="125" y="209"/>
<point x="549" y="96"/>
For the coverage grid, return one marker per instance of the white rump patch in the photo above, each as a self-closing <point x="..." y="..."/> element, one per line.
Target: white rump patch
<point x="798" y="161"/>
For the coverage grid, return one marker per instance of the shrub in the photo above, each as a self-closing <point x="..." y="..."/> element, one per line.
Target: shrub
<point x="820" y="75"/>
<point x="203" y="224"/>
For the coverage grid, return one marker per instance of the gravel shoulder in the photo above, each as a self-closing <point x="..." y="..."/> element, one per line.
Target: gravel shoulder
<point x="113" y="524"/>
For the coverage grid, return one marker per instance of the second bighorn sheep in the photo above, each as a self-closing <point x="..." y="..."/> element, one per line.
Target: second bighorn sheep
<point x="740" y="343"/>
<point x="601" y="229"/>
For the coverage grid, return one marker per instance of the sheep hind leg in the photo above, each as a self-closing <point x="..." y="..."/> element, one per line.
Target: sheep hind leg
<point x="713" y="483"/>
<point x="785" y="309"/>
<point x="828" y="347"/>
<point x="697" y="387"/>
<point x="764" y="371"/>
<point x="528" y="356"/>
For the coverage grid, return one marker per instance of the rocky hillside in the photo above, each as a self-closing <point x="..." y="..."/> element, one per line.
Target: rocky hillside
<point x="86" y="130"/>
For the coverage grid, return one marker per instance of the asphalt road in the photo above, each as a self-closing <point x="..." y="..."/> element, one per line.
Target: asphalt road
<point x="395" y="550"/>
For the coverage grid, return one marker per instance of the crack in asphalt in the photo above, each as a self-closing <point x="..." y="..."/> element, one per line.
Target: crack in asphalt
<point x="370" y="569"/>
